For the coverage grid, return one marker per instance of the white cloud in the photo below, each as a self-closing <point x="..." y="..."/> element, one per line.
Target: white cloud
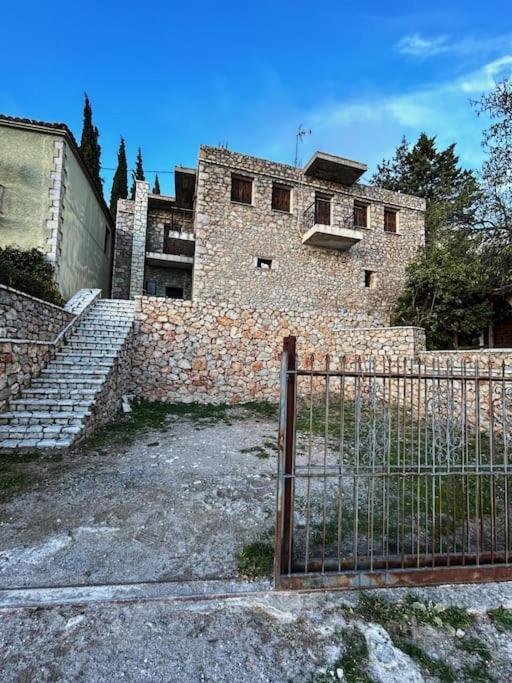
<point x="417" y="46"/>
<point x="369" y="129"/>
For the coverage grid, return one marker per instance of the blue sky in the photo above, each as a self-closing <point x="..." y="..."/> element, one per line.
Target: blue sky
<point x="172" y="75"/>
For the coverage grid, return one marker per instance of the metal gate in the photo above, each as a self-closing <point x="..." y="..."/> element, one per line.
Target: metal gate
<point x="392" y="472"/>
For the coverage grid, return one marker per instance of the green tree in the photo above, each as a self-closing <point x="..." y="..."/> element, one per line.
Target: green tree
<point x="446" y="293"/>
<point x="156" y="186"/>
<point x="120" y="181"/>
<point x="451" y="192"/>
<point x="89" y="145"/>
<point x="138" y="174"/>
<point x="495" y="216"/>
<point x="29" y="272"/>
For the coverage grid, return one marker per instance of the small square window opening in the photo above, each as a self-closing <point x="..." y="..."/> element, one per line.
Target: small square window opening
<point x="174" y="292"/>
<point x="264" y="263"/>
<point x="150" y="287"/>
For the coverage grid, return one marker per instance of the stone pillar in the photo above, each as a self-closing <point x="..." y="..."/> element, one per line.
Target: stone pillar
<point x="140" y="222"/>
<point x="121" y="274"/>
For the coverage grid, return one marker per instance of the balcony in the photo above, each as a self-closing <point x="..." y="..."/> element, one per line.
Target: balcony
<point x="322" y="234"/>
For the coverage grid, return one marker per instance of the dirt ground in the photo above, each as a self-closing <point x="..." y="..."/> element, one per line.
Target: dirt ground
<point x="175" y="497"/>
<point x="175" y="504"/>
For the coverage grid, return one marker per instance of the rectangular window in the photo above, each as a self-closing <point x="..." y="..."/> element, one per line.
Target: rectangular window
<point x="150" y="287"/>
<point x="106" y="240"/>
<point x="322" y="209"/>
<point x="369" y="279"/>
<point x="281" y="198"/>
<point x="241" y="189"/>
<point x="360" y="215"/>
<point x="264" y="263"/>
<point x="390" y="220"/>
<point x="174" y="292"/>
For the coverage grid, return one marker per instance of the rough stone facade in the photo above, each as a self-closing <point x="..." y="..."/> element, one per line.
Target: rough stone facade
<point x="169" y="277"/>
<point x="25" y="317"/>
<point x="121" y="274"/>
<point x="231" y="236"/>
<point x="194" y="351"/>
<point x="140" y="216"/>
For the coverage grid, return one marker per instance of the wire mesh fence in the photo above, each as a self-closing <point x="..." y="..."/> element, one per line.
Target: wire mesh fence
<point x="393" y="472"/>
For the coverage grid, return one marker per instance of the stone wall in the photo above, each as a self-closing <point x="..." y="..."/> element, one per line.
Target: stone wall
<point x="194" y="351"/>
<point x="25" y="317"/>
<point x="121" y="273"/>
<point x="23" y="357"/>
<point x="179" y="219"/>
<point x="230" y="237"/>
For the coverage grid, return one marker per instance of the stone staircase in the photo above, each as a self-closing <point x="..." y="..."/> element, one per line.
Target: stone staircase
<point x="60" y="404"/>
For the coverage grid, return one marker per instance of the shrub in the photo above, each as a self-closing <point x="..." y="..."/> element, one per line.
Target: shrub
<point x="29" y="272"/>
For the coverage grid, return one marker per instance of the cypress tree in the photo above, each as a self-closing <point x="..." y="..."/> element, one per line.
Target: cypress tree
<point x="156" y="187"/>
<point x="120" y="181"/>
<point x="89" y="146"/>
<point x="138" y="174"/>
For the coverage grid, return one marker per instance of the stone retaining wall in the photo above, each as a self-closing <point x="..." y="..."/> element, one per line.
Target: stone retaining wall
<point x="194" y="351"/>
<point x="24" y="317"/>
<point x="23" y="357"/>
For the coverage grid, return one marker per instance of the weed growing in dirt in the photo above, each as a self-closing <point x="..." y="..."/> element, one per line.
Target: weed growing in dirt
<point x="13" y="473"/>
<point x="474" y="646"/>
<point x="256" y="559"/>
<point x="478" y="674"/>
<point x="353" y="663"/>
<point x="258" y="451"/>
<point x="148" y="415"/>
<point x="437" y="668"/>
<point x="502" y="617"/>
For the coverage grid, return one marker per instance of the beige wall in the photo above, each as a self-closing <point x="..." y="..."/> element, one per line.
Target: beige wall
<point x="83" y="261"/>
<point x="25" y="166"/>
<point x="48" y="202"/>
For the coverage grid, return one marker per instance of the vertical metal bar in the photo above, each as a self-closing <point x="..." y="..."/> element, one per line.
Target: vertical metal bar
<point x="492" y="455"/>
<point x="341" y="457"/>
<point x="310" y="455"/>
<point x="355" y="494"/>
<point x="477" y="464"/>
<point x="506" y="437"/>
<point x="281" y="442"/>
<point x="290" y="345"/>
<point x="326" y="446"/>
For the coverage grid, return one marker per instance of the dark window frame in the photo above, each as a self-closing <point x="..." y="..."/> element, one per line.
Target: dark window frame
<point x="281" y="197"/>
<point x="390" y="226"/>
<point x="175" y="289"/>
<point x="241" y="189"/>
<point x="147" y="287"/>
<point x="360" y="209"/>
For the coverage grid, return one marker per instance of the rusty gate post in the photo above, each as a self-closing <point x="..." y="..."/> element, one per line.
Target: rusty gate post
<point x="284" y="518"/>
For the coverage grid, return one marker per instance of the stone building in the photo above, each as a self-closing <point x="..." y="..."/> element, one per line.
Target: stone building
<point x="255" y="233"/>
<point x="48" y="200"/>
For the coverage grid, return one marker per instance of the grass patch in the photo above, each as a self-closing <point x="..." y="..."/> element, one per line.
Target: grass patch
<point x="502" y="617"/>
<point x="258" y="451"/>
<point x="354" y="661"/>
<point x="478" y="674"/>
<point x="474" y="646"/>
<point x="412" y="610"/>
<point x="257" y="559"/>
<point x="13" y="474"/>
<point x="153" y="415"/>
<point x="435" y="667"/>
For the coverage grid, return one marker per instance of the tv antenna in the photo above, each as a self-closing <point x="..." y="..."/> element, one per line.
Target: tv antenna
<point x="301" y="133"/>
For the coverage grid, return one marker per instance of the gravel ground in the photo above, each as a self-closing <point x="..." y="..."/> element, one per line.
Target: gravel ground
<point x="177" y="504"/>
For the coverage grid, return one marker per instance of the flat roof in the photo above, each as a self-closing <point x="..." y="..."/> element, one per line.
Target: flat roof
<point x="336" y="169"/>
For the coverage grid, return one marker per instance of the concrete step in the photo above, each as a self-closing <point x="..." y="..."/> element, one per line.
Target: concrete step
<point x="103" y="339"/>
<point x="70" y="363"/>
<point x="83" y="354"/>
<point x="61" y="418"/>
<point x="99" y="373"/>
<point x="53" y="382"/>
<point x="37" y="431"/>
<point x="58" y="392"/>
<point x="22" y="444"/>
<point x="50" y="404"/>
